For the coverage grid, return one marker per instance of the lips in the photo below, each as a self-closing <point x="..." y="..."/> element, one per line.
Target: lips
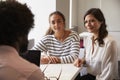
<point x="90" y="28"/>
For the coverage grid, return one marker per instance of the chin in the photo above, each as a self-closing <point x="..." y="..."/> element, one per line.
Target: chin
<point x="89" y="31"/>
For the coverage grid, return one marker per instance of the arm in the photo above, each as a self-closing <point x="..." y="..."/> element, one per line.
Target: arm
<point x="68" y="58"/>
<point x="52" y="59"/>
<point x="40" y="46"/>
<point x="74" y="50"/>
<point x="107" y="65"/>
<point x="71" y="50"/>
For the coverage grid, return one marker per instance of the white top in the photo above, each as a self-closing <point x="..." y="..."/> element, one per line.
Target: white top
<point x="101" y="62"/>
<point x="13" y="67"/>
<point x="67" y="51"/>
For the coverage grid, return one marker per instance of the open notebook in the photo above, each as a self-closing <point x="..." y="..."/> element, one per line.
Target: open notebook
<point x="32" y="56"/>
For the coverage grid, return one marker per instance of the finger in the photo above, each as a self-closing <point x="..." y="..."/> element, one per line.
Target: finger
<point x="49" y="58"/>
<point x="77" y="62"/>
<point x="44" y="60"/>
<point x="54" y="59"/>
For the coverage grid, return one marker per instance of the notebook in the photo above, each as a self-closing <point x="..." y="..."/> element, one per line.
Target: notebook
<point x="33" y="56"/>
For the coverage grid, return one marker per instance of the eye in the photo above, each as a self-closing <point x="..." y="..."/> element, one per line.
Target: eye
<point x="85" y="22"/>
<point x="53" y="22"/>
<point x="92" y="20"/>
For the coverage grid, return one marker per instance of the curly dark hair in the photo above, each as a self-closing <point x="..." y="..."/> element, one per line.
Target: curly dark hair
<point x="16" y="20"/>
<point x="97" y="13"/>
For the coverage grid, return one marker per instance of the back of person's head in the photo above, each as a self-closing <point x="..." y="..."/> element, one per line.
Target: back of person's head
<point x="50" y="31"/>
<point x="16" y="20"/>
<point x="97" y="13"/>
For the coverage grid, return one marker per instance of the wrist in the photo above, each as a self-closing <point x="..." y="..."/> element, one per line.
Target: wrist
<point x="84" y="62"/>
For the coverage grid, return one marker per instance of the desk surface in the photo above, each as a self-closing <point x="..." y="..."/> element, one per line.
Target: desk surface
<point x="69" y="71"/>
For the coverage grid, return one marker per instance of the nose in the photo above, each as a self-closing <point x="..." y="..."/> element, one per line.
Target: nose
<point x="88" y="24"/>
<point x="56" y="23"/>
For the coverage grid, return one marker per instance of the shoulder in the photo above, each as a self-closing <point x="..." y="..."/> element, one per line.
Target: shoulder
<point x="110" y="41"/>
<point x="36" y="75"/>
<point x="47" y="37"/>
<point x="109" y="38"/>
<point x="23" y="66"/>
<point x="86" y="35"/>
<point x="73" y="33"/>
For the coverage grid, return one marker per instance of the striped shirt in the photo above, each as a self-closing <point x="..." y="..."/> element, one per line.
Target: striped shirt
<point x="67" y="51"/>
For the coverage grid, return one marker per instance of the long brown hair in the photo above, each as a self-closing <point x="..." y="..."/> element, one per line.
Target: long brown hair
<point x="50" y="31"/>
<point x="97" y="13"/>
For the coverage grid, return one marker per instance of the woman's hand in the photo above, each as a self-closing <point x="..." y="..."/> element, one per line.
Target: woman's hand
<point x="78" y="62"/>
<point x="52" y="59"/>
<point x="44" y="60"/>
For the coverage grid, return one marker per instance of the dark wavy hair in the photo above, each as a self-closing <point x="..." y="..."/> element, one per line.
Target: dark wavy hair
<point x="97" y="13"/>
<point x="16" y="20"/>
<point x="50" y="31"/>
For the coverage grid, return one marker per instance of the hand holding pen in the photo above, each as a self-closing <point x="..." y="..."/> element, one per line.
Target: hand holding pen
<point x="53" y="59"/>
<point x="79" y="62"/>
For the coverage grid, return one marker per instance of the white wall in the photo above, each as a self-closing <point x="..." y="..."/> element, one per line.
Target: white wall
<point x="41" y="10"/>
<point x="63" y="6"/>
<point x="111" y="9"/>
<point x="83" y="6"/>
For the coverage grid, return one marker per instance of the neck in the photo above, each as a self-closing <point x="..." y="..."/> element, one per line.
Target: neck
<point x="95" y="36"/>
<point x="60" y="35"/>
<point x="7" y="48"/>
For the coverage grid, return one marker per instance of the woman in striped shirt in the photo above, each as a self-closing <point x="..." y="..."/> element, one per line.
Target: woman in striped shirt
<point x="59" y="45"/>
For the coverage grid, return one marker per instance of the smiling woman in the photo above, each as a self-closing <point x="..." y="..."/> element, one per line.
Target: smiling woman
<point x="61" y="45"/>
<point x="100" y="48"/>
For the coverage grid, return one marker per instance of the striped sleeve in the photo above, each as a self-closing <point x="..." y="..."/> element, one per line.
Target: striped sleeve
<point x="74" y="49"/>
<point x="41" y="45"/>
